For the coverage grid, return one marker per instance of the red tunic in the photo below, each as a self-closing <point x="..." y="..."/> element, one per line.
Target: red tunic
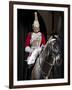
<point x="28" y="38"/>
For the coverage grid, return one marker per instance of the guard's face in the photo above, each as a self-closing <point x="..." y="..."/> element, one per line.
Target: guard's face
<point x="36" y="29"/>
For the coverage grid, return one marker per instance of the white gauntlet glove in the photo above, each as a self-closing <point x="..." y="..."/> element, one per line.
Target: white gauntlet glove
<point x="28" y="49"/>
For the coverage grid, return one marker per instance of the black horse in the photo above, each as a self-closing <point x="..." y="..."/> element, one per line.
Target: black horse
<point x="49" y="57"/>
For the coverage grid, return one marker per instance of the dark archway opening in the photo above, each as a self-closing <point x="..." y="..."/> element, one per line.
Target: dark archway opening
<point x="51" y="22"/>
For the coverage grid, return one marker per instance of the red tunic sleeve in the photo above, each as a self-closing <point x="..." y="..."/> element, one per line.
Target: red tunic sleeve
<point x="43" y="40"/>
<point x="27" y="42"/>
